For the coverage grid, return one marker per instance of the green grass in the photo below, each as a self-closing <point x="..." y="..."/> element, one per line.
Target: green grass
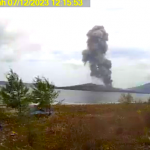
<point x="80" y="127"/>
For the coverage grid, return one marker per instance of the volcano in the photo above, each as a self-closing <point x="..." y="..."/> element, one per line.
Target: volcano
<point x="98" y="88"/>
<point x="144" y="89"/>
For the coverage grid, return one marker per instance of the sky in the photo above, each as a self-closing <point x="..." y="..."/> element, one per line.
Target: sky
<point x="49" y="41"/>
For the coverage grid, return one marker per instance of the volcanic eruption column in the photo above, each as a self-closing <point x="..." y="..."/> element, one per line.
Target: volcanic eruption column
<point x="95" y="55"/>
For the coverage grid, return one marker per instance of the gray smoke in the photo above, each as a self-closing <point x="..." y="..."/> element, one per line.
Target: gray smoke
<point x="95" y="54"/>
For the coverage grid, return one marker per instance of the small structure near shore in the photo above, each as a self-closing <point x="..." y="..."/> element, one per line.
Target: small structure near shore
<point x="36" y="110"/>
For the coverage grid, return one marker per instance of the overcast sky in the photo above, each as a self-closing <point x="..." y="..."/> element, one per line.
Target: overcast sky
<point x="49" y="41"/>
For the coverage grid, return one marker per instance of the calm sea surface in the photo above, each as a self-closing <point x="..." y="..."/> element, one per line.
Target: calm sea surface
<point x="89" y="97"/>
<point x="78" y="97"/>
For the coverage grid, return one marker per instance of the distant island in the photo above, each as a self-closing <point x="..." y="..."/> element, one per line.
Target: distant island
<point x="144" y="89"/>
<point x="100" y="88"/>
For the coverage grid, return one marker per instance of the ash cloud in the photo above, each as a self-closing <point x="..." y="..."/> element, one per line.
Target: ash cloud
<point x="95" y="55"/>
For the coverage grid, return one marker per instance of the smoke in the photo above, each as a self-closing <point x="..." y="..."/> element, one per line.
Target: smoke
<point x="95" y="55"/>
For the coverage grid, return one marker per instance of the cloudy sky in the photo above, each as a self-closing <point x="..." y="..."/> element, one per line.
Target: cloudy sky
<point x="49" y="41"/>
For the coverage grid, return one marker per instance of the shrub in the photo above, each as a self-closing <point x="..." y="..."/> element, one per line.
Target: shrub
<point x="126" y="98"/>
<point x="148" y="100"/>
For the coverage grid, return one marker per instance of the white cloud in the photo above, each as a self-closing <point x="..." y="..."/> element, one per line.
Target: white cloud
<point x="129" y="73"/>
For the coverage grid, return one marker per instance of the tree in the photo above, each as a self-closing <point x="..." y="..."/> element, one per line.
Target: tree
<point x="126" y="98"/>
<point x="43" y="92"/>
<point x="148" y="100"/>
<point x="15" y="93"/>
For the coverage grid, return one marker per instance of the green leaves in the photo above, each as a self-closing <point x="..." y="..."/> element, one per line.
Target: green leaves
<point x="15" y="93"/>
<point x="43" y="92"/>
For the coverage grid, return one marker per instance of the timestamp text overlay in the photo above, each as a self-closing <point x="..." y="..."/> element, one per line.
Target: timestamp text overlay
<point x="44" y="3"/>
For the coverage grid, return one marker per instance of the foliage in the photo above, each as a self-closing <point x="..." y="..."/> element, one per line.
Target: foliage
<point x="15" y="93"/>
<point x="98" y="127"/>
<point x="43" y="92"/>
<point x="126" y="98"/>
<point x="148" y="101"/>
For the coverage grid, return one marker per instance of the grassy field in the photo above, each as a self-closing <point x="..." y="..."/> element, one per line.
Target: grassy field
<point x="79" y="127"/>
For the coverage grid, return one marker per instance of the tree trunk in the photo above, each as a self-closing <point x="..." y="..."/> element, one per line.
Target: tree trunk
<point x="19" y="103"/>
<point x="20" y="109"/>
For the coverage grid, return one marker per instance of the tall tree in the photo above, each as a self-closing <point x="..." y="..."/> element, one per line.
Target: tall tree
<point x="43" y="92"/>
<point x="15" y="93"/>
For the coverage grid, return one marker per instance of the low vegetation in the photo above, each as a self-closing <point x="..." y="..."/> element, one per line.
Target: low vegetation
<point x="72" y="127"/>
<point x="85" y="127"/>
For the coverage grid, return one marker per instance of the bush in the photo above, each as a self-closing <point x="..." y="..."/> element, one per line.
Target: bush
<point x="126" y="98"/>
<point x="148" y="101"/>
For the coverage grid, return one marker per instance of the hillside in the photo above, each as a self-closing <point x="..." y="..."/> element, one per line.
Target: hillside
<point x="2" y="82"/>
<point x="99" y="88"/>
<point x="142" y="88"/>
<point x="96" y="88"/>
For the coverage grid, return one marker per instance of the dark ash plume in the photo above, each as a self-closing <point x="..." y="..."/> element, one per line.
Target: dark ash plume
<point x="95" y="54"/>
